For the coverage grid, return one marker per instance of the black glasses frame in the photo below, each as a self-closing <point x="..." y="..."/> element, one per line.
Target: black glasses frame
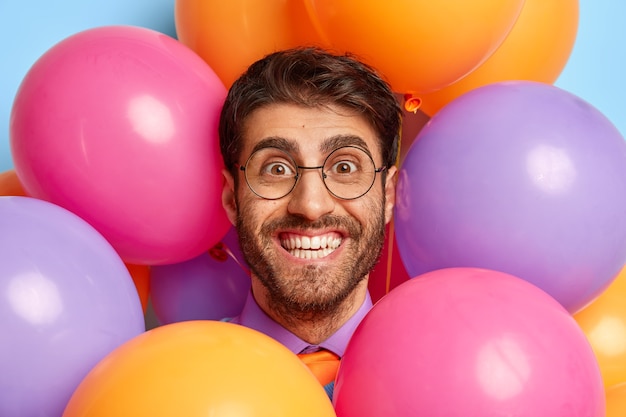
<point x="242" y="168"/>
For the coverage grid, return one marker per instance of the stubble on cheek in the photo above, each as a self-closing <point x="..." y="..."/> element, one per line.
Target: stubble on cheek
<point x="309" y="290"/>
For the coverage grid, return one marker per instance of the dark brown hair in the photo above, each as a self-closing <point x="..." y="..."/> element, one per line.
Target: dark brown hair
<point x="311" y="77"/>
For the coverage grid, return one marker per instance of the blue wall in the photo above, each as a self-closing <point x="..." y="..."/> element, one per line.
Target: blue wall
<point x="594" y="71"/>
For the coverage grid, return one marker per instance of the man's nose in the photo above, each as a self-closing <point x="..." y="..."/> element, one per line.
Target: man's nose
<point x="310" y="197"/>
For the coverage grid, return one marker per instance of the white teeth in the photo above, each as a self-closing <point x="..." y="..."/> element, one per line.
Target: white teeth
<point x="314" y="242"/>
<point x="315" y="247"/>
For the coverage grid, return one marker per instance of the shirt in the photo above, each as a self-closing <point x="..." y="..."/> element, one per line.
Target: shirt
<point x="253" y="317"/>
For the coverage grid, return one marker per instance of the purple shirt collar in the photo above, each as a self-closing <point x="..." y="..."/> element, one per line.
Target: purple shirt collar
<point x="253" y="317"/>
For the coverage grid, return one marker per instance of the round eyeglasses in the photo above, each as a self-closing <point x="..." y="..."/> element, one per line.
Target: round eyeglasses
<point x="347" y="172"/>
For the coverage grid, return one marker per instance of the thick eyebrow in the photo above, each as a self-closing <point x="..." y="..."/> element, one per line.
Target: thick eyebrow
<point x="326" y="147"/>
<point x="339" y="141"/>
<point x="286" y="145"/>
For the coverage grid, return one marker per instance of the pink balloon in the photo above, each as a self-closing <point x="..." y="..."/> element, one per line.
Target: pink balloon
<point x="118" y="124"/>
<point x="468" y="342"/>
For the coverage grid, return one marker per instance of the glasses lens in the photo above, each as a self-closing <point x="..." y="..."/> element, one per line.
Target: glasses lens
<point x="349" y="172"/>
<point x="271" y="173"/>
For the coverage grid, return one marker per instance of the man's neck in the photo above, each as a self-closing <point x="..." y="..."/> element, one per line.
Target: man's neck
<point x="316" y="327"/>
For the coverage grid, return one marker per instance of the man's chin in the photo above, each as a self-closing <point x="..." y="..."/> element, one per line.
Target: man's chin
<point x="313" y="311"/>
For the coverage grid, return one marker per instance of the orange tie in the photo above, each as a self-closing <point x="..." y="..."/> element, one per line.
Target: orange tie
<point x="323" y="363"/>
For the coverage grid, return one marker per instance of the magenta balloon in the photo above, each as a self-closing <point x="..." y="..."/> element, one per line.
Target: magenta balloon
<point x="519" y="177"/>
<point x="67" y="300"/>
<point x="212" y="286"/>
<point x="465" y="342"/>
<point x="118" y="124"/>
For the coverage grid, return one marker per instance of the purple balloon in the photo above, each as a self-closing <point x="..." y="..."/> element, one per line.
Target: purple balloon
<point x="212" y="286"/>
<point x="67" y="301"/>
<point x="519" y="177"/>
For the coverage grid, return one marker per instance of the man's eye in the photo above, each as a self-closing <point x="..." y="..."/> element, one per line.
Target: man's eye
<point x="278" y="169"/>
<point x="344" y="167"/>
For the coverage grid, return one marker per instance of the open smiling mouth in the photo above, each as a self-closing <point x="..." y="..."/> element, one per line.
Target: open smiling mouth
<point x="306" y="247"/>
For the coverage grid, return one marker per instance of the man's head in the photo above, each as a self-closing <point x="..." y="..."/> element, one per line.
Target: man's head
<point x="299" y="125"/>
<point x="311" y="77"/>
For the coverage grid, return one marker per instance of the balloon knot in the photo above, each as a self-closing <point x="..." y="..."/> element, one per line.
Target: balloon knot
<point x="412" y="103"/>
<point x="218" y="252"/>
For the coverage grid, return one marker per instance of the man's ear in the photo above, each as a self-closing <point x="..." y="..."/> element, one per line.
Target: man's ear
<point x="228" y="197"/>
<point x="390" y="192"/>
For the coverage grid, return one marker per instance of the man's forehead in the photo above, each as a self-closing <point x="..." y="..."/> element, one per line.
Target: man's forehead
<point x="301" y="130"/>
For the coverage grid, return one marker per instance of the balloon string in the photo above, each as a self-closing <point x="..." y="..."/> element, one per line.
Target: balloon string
<point x="220" y="249"/>
<point x="232" y="255"/>
<point x="389" y="257"/>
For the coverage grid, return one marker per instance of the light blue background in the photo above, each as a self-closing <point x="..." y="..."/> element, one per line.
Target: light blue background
<point x="29" y="28"/>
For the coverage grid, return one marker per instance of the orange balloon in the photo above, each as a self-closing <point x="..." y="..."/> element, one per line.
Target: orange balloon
<point x="200" y="368"/>
<point x="10" y="184"/>
<point x="536" y="49"/>
<point x="419" y="45"/>
<point x="616" y="401"/>
<point x="231" y="35"/>
<point x="141" y="278"/>
<point x="604" y="323"/>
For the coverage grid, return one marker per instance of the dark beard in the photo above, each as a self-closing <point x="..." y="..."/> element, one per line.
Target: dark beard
<point x="313" y="293"/>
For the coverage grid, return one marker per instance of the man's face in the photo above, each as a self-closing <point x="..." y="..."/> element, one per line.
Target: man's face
<point x="309" y="249"/>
